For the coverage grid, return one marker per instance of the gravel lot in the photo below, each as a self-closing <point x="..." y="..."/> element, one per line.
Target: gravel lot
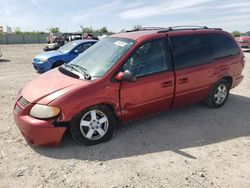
<point x="189" y="147"/>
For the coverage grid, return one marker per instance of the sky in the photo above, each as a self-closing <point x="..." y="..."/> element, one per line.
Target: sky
<point x="68" y="15"/>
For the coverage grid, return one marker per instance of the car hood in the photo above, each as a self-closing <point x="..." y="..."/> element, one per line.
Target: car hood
<point x="49" y="54"/>
<point x="244" y="38"/>
<point x="49" y="86"/>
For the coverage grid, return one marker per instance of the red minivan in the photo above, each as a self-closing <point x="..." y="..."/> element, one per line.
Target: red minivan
<point x="129" y="76"/>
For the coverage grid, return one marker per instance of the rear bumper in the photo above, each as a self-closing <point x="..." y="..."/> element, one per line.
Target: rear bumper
<point x="237" y="80"/>
<point x="244" y="44"/>
<point x="39" y="132"/>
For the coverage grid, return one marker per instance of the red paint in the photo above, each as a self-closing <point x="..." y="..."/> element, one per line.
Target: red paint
<point x="244" y="41"/>
<point x="39" y="132"/>
<point x="148" y="95"/>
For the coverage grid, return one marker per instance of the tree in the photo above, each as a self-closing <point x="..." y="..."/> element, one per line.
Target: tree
<point x="86" y="29"/>
<point x="103" y="30"/>
<point x="17" y="30"/>
<point x="54" y="30"/>
<point x="236" y="34"/>
<point x="96" y="32"/>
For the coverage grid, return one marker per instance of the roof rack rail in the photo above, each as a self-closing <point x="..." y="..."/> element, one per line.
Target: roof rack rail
<point x="174" y="28"/>
<point x="215" y="28"/>
<point x="146" y="29"/>
<point x="185" y="27"/>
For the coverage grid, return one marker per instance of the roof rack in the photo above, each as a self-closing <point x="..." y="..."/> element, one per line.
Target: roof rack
<point x="186" y="27"/>
<point x="146" y="29"/>
<point x="174" y="28"/>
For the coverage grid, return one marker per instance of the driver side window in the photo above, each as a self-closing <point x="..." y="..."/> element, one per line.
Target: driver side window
<point x="148" y="59"/>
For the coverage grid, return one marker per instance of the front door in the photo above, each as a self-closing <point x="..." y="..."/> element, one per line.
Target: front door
<point x="154" y="88"/>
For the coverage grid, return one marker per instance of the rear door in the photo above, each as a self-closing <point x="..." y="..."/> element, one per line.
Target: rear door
<point x="153" y="90"/>
<point x="193" y="64"/>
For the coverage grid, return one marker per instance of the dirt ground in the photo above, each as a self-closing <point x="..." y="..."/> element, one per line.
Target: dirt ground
<point x="189" y="147"/>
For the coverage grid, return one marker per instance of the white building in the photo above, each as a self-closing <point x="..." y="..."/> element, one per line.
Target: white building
<point x="6" y="29"/>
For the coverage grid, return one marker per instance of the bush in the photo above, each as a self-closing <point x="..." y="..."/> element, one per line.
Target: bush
<point x="236" y="34"/>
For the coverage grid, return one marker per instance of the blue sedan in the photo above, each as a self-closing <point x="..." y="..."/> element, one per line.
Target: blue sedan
<point x="49" y="60"/>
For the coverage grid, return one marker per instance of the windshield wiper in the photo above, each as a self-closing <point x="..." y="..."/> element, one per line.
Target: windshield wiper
<point x="71" y="67"/>
<point x="87" y="75"/>
<point x="79" y="69"/>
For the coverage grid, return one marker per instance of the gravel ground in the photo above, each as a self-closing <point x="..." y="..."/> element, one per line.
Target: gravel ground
<point x="189" y="147"/>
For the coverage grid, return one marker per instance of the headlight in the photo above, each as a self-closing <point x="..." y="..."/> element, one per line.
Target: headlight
<point x="43" y="60"/>
<point x="43" y="111"/>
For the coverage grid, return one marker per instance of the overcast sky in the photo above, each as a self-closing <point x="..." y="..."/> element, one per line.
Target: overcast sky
<point x="116" y="15"/>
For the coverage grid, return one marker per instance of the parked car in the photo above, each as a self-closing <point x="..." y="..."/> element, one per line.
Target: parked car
<point x="56" y="41"/>
<point x="49" y="60"/>
<point x="128" y="76"/>
<point x="52" y="46"/>
<point x="244" y="41"/>
<point x="89" y="36"/>
<point x="52" y="37"/>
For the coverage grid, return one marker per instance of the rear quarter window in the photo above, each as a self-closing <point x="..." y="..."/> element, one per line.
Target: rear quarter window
<point x="191" y="50"/>
<point x="223" y="45"/>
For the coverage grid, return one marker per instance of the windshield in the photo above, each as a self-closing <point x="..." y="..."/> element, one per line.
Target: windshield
<point x="101" y="57"/>
<point x="67" y="47"/>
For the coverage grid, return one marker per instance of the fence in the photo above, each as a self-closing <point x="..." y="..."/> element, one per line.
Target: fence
<point x="22" y="38"/>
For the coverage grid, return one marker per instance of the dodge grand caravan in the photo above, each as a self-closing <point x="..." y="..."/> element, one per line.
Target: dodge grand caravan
<point x="129" y="76"/>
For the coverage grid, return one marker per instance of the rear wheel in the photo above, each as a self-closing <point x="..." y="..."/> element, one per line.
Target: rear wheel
<point x="94" y="125"/>
<point x="57" y="64"/>
<point x="218" y="95"/>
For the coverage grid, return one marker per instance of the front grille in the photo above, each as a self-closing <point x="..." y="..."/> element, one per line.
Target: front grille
<point x="23" y="102"/>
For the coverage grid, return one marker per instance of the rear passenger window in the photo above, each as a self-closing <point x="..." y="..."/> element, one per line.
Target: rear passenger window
<point x="191" y="50"/>
<point x="223" y="46"/>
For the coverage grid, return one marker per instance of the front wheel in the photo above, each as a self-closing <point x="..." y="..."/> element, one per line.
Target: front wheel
<point x="218" y="95"/>
<point x="94" y="125"/>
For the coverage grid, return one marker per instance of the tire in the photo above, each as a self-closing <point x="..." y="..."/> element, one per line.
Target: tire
<point x="87" y="129"/>
<point x="218" y="95"/>
<point x="57" y="64"/>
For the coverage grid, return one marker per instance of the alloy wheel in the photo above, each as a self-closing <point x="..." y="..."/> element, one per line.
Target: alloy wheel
<point x="220" y="94"/>
<point x="94" y="125"/>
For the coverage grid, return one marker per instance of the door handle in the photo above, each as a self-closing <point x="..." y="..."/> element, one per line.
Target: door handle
<point x="182" y="80"/>
<point x="167" y="84"/>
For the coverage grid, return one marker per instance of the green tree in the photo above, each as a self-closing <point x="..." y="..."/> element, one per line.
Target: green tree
<point x="18" y="30"/>
<point x="54" y="30"/>
<point x="86" y="29"/>
<point x="236" y="34"/>
<point x="103" y="30"/>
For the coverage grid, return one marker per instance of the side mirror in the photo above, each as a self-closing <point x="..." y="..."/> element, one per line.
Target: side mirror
<point x="126" y="76"/>
<point x="76" y="52"/>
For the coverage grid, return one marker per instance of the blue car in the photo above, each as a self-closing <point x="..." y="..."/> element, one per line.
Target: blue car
<point x="49" y="60"/>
